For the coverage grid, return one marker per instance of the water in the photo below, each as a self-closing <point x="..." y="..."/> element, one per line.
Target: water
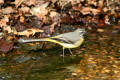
<point x="97" y="59"/>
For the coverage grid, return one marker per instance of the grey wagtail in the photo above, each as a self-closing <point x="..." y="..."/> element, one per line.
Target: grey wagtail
<point x="66" y="40"/>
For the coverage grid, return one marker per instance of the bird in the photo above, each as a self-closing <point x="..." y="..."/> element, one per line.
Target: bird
<point x="66" y="40"/>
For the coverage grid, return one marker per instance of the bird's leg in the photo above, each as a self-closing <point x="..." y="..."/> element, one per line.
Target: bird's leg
<point x="70" y="51"/>
<point x="63" y="51"/>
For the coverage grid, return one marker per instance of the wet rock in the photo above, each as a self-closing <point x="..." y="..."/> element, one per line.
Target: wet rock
<point x="21" y="59"/>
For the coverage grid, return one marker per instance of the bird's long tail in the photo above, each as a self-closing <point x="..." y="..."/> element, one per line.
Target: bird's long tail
<point x="32" y="40"/>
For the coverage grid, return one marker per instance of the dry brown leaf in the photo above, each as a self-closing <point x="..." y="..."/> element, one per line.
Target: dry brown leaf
<point x="52" y="26"/>
<point x="40" y="10"/>
<point x="55" y="16"/>
<point x="105" y="9"/>
<point x="85" y="10"/>
<point x="100" y="30"/>
<point x="92" y="2"/>
<point x="8" y="29"/>
<point x="18" y="2"/>
<point x="22" y="19"/>
<point x="88" y="10"/>
<point x="100" y="3"/>
<point x="5" y="46"/>
<point x="95" y="11"/>
<point x="32" y="2"/>
<point x="1" y="1"/>
<point x="25" y="9"/>
<point x="7" y="10"/>
<point x="3" y="22"/>
<point x="28" y="32"/>
<point x="62" y="3"/>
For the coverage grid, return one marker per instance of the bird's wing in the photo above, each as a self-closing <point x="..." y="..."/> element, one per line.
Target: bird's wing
<point x="62" y="40"/>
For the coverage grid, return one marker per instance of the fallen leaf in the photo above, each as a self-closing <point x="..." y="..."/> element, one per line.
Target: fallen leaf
<point x="55" y="16"/>
<point x="25" y="9"/>
<point x="5" y="46"/>
<point x="100" y="3"/>
<point x="7" y="10"/>
<point x="39" y="10"/>
<point x="52" y="26"/>
<point x="3" y="21"/>
<point x="22" y="19"/>
<point x="18" y="2"/>
<point x="100" y="30"/>
<point x="8" y="29"/>
<point x="27" y="32"/>
<point x="85" y="10"/>
<point x="1" y="1"/>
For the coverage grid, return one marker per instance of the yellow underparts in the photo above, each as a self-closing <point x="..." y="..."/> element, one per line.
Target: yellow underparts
<point x="65" y="45"/>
